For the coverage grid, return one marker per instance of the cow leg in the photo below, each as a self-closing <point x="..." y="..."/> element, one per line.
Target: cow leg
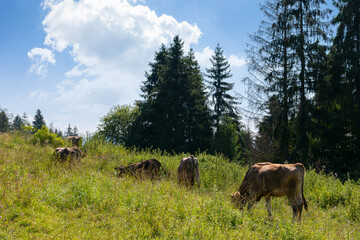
<point x="295" y="210"/>
<point x="299" y="205"/>
<point x="299" y="212"/>
<point x="268" y="205"/>
<point x="293" y="203"/>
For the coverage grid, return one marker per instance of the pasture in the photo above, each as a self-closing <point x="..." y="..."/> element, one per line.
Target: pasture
<point x="41" y="199"/>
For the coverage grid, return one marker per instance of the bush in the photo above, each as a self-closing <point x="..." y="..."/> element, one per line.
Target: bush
<point x="43" y="137"/>
<point x="225" y="140"/>
<point x="116" y="124"/>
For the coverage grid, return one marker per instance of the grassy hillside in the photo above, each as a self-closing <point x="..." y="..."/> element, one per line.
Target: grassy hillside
<point x="40" y="199"/>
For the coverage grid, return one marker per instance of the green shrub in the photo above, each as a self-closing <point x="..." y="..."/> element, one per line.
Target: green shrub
<point x="44" y="137"/>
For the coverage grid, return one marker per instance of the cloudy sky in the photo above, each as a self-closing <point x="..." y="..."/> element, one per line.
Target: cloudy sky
<point x="75" y="59"/>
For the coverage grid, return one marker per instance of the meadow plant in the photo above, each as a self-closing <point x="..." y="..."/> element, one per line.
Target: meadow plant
<point x="42" y="199"/>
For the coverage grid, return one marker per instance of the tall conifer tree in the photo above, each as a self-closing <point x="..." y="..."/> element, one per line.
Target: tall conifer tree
<point x="38" y="120"/>
<point x="224" y="104"/>
<point x="340" y="97"/>
<point x="174" y="115"/>
<point x="310" y="31"/>
<point x="272" y="66"/>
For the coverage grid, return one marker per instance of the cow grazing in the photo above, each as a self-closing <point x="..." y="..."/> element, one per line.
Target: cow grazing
<point x="188" y="171"/>
<point x="148" y="168"/>
<point x="75" y="140"/>
<point x="62" y="154"/>
<point x="273" y="180"/>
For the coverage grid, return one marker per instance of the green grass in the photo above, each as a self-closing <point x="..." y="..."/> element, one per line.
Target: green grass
<point x="40" y="199"/>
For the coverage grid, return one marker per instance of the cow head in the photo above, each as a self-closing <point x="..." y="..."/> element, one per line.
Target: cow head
<point x="120" y="170"/>
<point x="239" y="200"/>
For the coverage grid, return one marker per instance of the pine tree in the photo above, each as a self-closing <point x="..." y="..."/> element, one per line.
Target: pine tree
<point x="199" y="118"/>
<point x="287" y="62"/>
<point x="173" y="110"/>
<point x="18" y="123"/>
<point x="347" y="45"/>
<point x="75" y="131"/>
<point x="339" y="97"/>
<point x="39" y="121"/>
<point x="68" y="131"/>
<point x="224" y="104"/>
<point x="4" y="122"/>
<point x="309" y="30"/>
<point x="272" y="65"/>
<point x="25" y="119"/>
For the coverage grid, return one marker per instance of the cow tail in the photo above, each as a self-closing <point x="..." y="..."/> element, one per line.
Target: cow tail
<point x="302" y="188"/>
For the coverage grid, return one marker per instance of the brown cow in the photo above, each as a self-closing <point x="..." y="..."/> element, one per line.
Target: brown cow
<point x="75" y="140"/>
<point x="148" y="168"/>
<point x="188" y="171"/>
<point x="273" y="180"/>
<point x="62" y="154"/>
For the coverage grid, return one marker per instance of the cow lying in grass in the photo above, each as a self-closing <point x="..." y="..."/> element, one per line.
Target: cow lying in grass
<point x="188" y="171"/>
<point x="68" y="154"/>
<point x="273" y="180"/>
<point x="148" y="168"/>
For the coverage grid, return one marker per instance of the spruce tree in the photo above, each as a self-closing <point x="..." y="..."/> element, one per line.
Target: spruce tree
<point x="18" y="123"/>
<point x="75" y="131"/>
<point x="38" y="120"/>
<point x="310" y="30"/>
<point x="339" y="98"/>
<point x="198" y="114"/>
<point x="287" y="62"/>
<point x="4" y="122"/>
<point x="25" y="119"/>
<point x="173" y="110"/>
<point x="224" y="104"/>
<point x="273" y="73"/>
<point x="68" y="131"/>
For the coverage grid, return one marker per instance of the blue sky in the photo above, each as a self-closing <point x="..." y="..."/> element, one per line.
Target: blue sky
<point x="75" y="59"/>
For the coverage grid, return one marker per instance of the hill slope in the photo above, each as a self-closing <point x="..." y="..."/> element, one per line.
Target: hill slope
<point x="41" y="199"/>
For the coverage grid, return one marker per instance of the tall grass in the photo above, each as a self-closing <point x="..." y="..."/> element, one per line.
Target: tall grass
<point x="41" y="199"/>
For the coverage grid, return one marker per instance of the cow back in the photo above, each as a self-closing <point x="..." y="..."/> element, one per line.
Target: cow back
<point x="188" y="170"/>
<point x="272" y="179"/>
<point x="146" y="168"/>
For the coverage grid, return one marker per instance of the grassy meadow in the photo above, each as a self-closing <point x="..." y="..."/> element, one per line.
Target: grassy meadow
<point x="41" y="199"/>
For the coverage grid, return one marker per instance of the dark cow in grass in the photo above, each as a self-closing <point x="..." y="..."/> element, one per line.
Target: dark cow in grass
<point x="273" y="180"/>
<point x="188" y="171"/>
<point x="71" y="154"/>
<point x="145" y="169"/>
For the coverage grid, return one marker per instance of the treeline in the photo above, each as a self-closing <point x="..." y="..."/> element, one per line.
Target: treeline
<point x="179" y="110"/>
<point x="9" y="123"/>
<point x="305" y="85"/>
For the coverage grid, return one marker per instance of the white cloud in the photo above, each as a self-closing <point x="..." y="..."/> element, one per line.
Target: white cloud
<point x="235" y="61"/>
<point x="41" y="57"/>
<point x="111" y="43"/>
<point x="77" y="71"/>
<point x="38" y="95"/>
<point x="203" y="57"/>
